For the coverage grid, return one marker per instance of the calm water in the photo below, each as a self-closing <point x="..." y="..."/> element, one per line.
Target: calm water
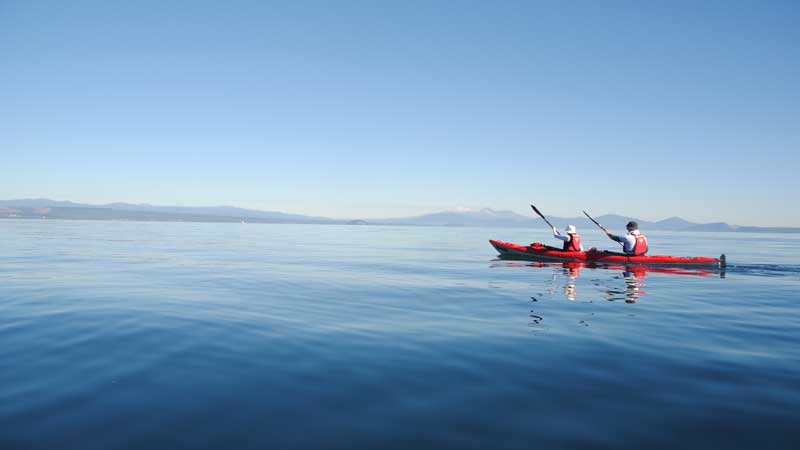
<point x="150" y="335"/>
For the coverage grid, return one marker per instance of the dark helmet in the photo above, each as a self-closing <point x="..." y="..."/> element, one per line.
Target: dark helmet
<point x="632" y="225"/>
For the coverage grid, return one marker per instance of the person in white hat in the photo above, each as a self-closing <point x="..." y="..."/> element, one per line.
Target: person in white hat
<point x="572" y="241"/>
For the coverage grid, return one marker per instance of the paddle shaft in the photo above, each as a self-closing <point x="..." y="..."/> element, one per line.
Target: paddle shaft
<point x="542" y="216"/>
<point x="602" y="227"/>
<point x="596" y="222"/>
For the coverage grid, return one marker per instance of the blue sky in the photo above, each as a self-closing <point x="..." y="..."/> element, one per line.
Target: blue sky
<point x="378" y="109"/>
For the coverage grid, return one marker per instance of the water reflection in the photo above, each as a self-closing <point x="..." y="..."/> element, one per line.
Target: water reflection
<point x="634" y="284"/>
<point x="587" y="283"/>
<point x="571" y="271"/>
<point x="575" y="267"/>
<point x="629" y="288"/>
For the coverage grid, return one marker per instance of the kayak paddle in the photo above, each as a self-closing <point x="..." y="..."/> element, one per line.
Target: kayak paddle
<point x="542" y="216"/>
<point x="601" y="227"/>
<point x="595" y="222"/>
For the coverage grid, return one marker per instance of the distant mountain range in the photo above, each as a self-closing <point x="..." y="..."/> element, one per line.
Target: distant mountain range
<point x="65" y="210"/>
<point x="51" y="209"/>
<point x="490" y="218"/>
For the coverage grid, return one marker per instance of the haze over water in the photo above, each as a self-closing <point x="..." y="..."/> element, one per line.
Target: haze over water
<point x="118" y="335"/>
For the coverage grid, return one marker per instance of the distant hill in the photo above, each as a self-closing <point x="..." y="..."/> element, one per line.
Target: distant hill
<point x="39" y="203"/>
<point x="486" y="217"/>
<point x="674" y="223"/>
<point x="724" y="227"/>
<point x="716" y="226"/>
<point x="222" y="211"/>
<point x="50" y="209"/>
<point x="490" y="217"/>
<point x="614" y="222"/>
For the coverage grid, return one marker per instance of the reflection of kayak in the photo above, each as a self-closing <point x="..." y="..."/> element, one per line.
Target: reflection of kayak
<point x="573" y="268"/>
<point x="539" y="252"/>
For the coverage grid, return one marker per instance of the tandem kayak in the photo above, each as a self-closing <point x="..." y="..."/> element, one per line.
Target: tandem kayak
<point x="540" y="252"/>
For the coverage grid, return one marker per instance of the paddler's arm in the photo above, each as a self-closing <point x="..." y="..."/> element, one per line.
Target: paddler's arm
<point x="613" y="237"/>
<point x="558" y="235"/>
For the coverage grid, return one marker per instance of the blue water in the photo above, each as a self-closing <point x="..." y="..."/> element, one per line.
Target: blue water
<point x="180" y="335"/>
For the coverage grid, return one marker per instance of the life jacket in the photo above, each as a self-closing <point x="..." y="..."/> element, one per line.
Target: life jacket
<point x="573" y="244"/>
<point x="640" y="248"/>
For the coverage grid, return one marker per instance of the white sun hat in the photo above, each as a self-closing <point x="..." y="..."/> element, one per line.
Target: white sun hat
<point x="571" y="229"/>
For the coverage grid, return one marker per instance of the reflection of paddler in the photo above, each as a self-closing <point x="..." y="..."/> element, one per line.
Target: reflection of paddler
<point x="635" y="271"/>
<point x="573" y="271"/>
<point x="633" y="284"/>
<point x="569" y="290"/>
<point x="633" y="277"/>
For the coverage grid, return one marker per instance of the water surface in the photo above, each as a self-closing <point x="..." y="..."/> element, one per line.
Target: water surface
<point x="174" y="335"/>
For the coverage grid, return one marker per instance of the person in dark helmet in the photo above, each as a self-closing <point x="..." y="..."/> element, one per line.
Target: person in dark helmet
<point x="633" y="242"/>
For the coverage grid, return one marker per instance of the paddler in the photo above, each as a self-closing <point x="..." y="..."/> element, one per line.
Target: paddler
<point x="572" y="241"/>
<point x="633" y="242"/>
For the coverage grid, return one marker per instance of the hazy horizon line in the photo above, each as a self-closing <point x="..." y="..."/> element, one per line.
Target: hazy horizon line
<point x="456" y="209"/>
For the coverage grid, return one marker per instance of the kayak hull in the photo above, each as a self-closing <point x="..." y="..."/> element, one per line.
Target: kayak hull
<point x="539" y="252"/>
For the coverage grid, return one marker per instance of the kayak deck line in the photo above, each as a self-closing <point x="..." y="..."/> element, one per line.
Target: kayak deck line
<point x="540" y="252"/>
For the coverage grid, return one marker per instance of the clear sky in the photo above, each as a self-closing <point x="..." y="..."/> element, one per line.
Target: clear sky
<point x="365" y="109"/>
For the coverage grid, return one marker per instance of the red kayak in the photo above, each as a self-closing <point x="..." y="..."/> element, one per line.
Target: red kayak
<point x="540" y="252"/>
